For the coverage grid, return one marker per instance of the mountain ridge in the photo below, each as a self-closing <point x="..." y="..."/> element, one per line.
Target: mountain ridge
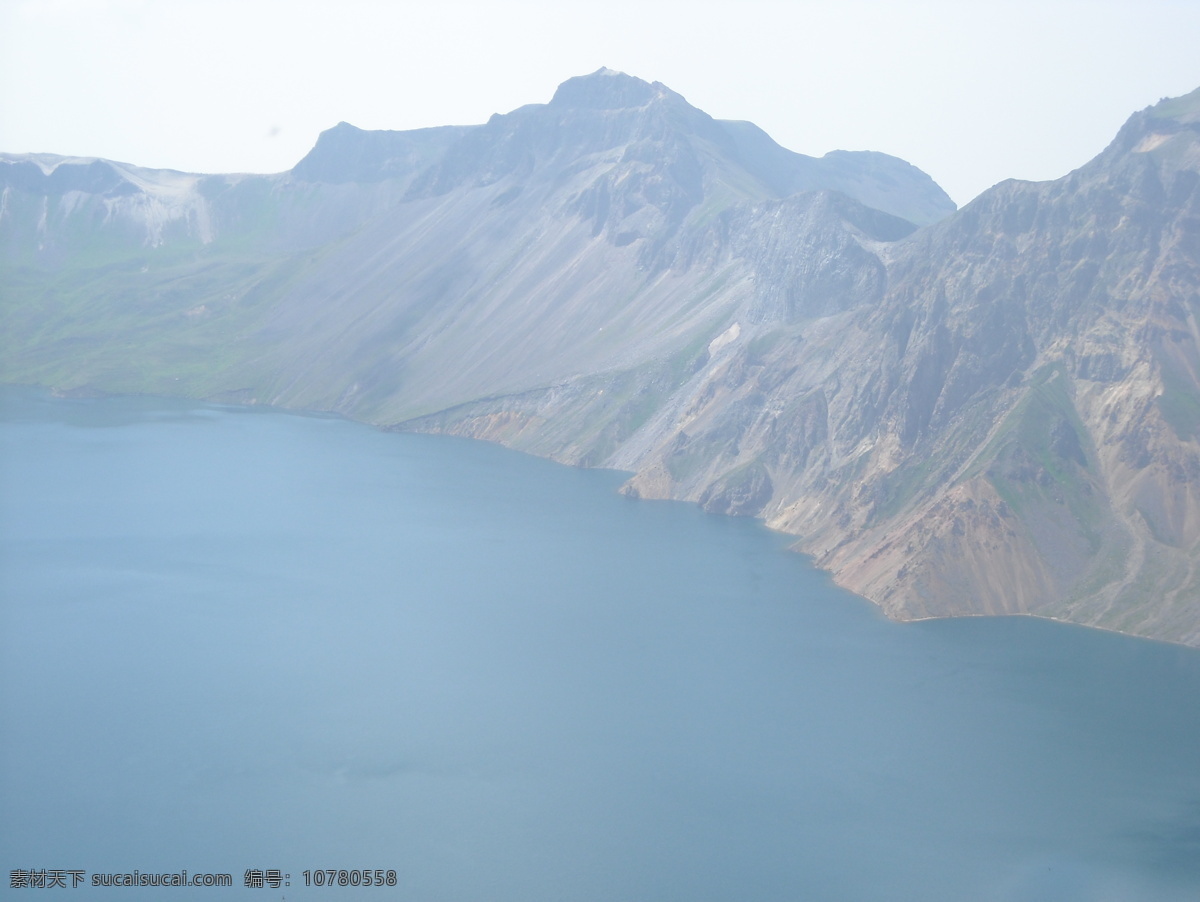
<point x="994" y="410"/>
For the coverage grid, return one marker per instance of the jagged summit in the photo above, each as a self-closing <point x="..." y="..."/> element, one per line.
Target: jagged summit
<point x="607" y="89"/>
<point x="633" y="124"/>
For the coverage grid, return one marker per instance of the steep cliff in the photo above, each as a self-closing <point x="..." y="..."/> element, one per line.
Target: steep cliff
<point x="1010" y="426"/>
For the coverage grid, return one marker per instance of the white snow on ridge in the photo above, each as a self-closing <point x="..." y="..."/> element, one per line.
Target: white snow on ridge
<point x="157" y="211"/>
<point x="162" y="182"/>
<point x="71" y="200"/>
<point x="47" y="162"/>
<point x="163" y="197"/>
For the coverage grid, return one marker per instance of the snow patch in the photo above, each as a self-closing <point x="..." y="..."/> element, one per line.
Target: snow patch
<point x="164" y="196"/>
<point x="156" y="212"/>
<point x="47" y="162"/>
<point x="71" y="201"/>
<point x="727" y="337"/>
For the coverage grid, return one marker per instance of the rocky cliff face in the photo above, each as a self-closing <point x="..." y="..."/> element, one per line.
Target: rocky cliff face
<point x="988" y="411"/>
<point x="1009" y="425"/>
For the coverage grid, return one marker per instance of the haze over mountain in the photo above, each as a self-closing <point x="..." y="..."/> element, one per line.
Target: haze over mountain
<point x="993" y="410"/>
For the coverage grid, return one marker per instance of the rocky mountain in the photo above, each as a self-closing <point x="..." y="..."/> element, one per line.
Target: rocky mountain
<point x="1011" y="427"/>
<point x="993" y="410"/>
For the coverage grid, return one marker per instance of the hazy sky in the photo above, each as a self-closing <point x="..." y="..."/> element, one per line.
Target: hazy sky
<point x="972" y="93"/>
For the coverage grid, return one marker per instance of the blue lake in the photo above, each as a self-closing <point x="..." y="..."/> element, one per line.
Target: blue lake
<point x="243" y="639"/>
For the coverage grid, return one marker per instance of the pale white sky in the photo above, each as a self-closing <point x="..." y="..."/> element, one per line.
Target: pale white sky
<point x="972" y="93"/>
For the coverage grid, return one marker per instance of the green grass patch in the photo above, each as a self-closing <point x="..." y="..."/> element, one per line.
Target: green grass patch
<point x="1032" y="469"/>
<point x="1177" y="107"/>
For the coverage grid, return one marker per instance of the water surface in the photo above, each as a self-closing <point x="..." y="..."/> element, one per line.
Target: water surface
<point x="236" y="639"/>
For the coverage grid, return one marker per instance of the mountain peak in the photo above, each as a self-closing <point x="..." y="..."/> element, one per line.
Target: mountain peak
<point x="606" y="89"/>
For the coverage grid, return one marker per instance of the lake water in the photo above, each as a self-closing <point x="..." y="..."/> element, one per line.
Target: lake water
<point x="244" y="639"/>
